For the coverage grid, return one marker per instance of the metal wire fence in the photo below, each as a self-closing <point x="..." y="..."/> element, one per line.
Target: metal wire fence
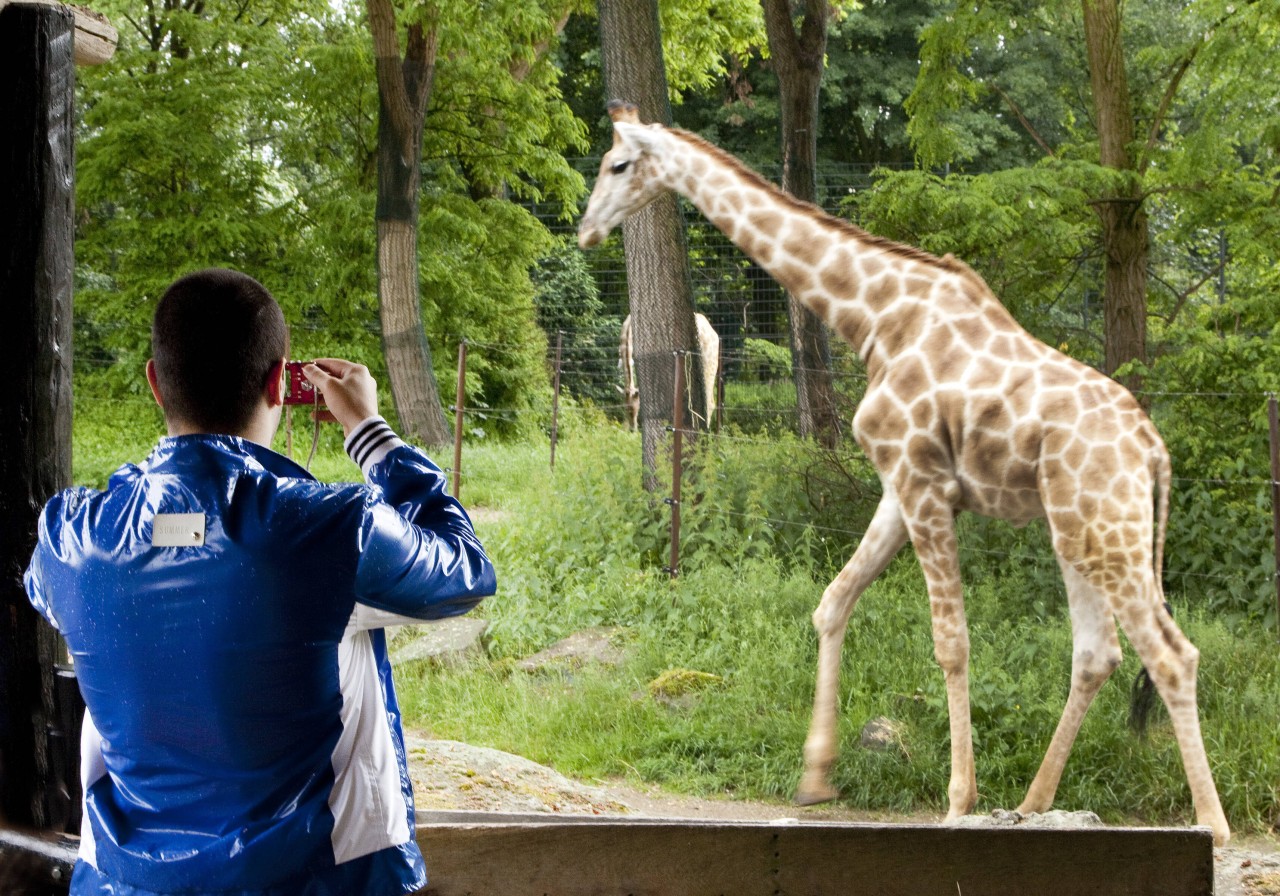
<point x="756" y="407"/>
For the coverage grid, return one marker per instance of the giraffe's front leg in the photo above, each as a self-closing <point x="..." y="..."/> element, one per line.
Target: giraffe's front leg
<point x="933" y="535"/>
<point x="883" y="539"/>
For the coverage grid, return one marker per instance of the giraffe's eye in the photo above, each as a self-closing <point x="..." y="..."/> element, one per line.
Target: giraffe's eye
<point x="619" y="167"/>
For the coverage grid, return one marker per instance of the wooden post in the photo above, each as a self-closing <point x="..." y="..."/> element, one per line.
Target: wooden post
<point x="555" y="397"/>
<point x="1273" y="418"/>
<point x="36" y="263"/>
<point x="457" y="420"/>
<point x="677" y="462"/>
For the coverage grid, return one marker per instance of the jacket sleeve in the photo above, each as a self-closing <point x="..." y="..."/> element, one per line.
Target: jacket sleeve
<point x="419" y="554"/>
<point x="35" y="579"/>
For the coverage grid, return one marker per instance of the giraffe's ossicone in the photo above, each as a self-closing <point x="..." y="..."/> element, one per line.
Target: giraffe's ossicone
<point x="964" y="410"/>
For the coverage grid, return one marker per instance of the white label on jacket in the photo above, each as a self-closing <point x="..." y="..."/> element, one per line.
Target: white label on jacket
<point x="177" y="530"/>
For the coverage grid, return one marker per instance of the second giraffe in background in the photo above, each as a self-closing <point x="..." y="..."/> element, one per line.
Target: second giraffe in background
<point x="709" y="357"/>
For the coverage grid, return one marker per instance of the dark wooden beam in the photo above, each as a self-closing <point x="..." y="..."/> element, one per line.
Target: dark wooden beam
<point x="37" y="180"/>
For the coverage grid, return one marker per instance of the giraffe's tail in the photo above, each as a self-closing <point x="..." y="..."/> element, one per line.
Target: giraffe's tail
<point x="1163" y="479"/>
<point x="1142" y="695"/>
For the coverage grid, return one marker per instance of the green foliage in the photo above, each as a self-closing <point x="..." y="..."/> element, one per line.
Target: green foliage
<point x="764" y="362"/>
<point x="569" y="306"/>
<point x="475" y="271"/>
<point x="702" y="39"/>
<point x="1220" y="534"/>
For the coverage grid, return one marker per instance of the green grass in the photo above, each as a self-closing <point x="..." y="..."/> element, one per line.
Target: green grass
<point x="584" y="545"/>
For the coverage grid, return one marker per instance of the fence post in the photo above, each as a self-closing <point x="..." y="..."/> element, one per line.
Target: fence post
<point x="457" y="420"/>
<point x="555" y="397"/>
<point x="677" y="466"/>
<point x="1273" y="419"/>
<point x="719" y="387"/>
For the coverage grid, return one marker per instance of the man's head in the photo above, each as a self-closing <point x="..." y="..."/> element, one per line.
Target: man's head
<point x="217" y="341"/>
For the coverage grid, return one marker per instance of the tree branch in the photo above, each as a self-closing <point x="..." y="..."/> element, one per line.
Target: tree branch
<point x="1023" y="120"/>
<point x="1180" y="70"/>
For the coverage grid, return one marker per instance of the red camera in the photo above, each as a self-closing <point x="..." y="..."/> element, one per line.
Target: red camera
<point x="299" y="389"/>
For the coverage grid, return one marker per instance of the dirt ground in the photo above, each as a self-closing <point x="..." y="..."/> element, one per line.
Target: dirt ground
<point x="448" y="775"/>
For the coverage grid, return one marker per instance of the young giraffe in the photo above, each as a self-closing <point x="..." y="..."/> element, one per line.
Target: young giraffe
<point x="964" y="410"/>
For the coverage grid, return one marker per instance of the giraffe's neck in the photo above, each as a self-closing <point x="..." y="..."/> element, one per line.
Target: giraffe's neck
<point x="847" y="277"/>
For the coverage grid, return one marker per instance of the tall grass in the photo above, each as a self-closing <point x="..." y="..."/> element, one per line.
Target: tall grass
<point x="584" y="545"/>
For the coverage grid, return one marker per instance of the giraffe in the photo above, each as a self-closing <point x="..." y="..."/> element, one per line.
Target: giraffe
<point x="964" y="411"/>
<point x="709" y="354"/>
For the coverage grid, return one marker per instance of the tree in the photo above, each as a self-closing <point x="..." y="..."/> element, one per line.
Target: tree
<point x="798" y="59"/>
<point x="501" y="48"/>
<point x="1121" y="209"/>
<point x="404" y="90"/>
<point x="658" y="277"/>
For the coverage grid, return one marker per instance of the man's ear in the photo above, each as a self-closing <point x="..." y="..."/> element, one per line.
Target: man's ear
<point x="153" y="382"/>
<point x="274" y="390"/>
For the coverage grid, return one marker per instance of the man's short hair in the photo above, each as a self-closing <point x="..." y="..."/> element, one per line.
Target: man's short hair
<point x="215" y="337"/>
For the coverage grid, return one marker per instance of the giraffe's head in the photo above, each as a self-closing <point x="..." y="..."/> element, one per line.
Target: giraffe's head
<point x="626" y="182"/>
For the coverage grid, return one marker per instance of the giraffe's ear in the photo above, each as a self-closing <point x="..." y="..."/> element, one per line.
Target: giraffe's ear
<point x="635" y="136"/>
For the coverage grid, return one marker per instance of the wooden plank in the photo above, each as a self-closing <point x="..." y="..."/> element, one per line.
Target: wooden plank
<point x="664" y="857"/>
<point x="95" y="37"/>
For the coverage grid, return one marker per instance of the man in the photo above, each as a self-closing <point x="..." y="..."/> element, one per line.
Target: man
<point x="224" y="612"/>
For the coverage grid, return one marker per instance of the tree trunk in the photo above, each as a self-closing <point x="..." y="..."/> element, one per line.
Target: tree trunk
<point x="797" y="61"/>
<point x="1125" y="239"/>
<point x="404" y="89"/>
<point x="659" y="284"/>
<point x="36" y="264"/>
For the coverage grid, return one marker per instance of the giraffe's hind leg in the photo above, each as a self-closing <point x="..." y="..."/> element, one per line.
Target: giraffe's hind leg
<point x="1115" y="561"/>
<point x="1172" y="662"/>
<point x="1095" y="655"/>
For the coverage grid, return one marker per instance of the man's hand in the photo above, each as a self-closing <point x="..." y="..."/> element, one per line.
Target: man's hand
<point x="348" y="390"/>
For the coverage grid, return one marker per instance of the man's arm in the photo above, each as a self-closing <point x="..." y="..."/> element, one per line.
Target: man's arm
<point x="420" y="557"/>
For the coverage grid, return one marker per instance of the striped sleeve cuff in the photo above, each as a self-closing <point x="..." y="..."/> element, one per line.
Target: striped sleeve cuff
<point x="370" y="442"/>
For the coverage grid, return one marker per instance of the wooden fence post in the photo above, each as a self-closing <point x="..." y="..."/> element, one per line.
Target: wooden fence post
<point x="555" y="397"/>
<point x="459" y="401"/>
<point x="1273" y="419"/>
<point x="677" y="462"/>
<point x="37" y="178"/>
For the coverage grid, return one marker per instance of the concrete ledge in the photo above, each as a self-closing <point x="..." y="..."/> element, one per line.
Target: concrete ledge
<point x="472" y="854"/>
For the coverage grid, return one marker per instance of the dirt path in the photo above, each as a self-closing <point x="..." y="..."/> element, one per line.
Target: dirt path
<point x="448" y="775"/>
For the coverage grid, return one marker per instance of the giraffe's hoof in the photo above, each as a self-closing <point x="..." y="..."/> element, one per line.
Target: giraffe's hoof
<point x="813" y="795"/>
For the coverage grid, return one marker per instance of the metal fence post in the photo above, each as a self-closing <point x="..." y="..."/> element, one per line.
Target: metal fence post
<point x="555" y="397"/>
<point x="1273" y="419"/>
<point x="677" y="466"/>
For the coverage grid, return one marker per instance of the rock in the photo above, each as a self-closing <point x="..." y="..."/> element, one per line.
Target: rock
<point x="589" y="646"/>
<point x="448" y="775"/>
<point x="448" y="641"/>
<point x="1055" y="818"/>
<point x="882" y="735"/>
<point x="680" y="688"/>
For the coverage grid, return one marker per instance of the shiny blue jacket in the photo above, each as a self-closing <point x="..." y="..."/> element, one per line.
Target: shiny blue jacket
<point x="224" y="612"/>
